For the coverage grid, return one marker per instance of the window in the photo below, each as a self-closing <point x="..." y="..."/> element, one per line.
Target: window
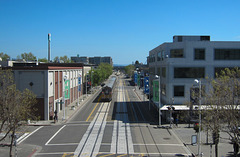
<point x="158" y="71"/>
<point x="227" y="54"/>
<point x="164" y="72"/>
<point x="158" y="56"/>
<point x="205" y="38"/>
<point x="179" y="91"/>
<point x="176" y="53"/>
<point x="151" y="58"/>
<point x="179" y="38"/>
<point x="199" y="54"/>
<point x="163" y="89"/>
<point x="196" y="72"/>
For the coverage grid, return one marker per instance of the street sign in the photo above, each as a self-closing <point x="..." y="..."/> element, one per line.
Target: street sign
<point x="146" y="85"/>
<point x="194" y="139"/>
<point x="79" y="83"/>
<point x="67" y="89"/>
<point x="135" y="77"/>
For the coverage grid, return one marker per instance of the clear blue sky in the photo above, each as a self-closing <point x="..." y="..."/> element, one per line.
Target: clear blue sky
<point x="126" y="30"/>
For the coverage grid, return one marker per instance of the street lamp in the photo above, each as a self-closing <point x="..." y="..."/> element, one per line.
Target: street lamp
<point x="159" y="97"/>
<point x="200" y="118"/>
<point x="91" y="80"/>
<point x="79" y="88"/>
<point x="86" y="84"/>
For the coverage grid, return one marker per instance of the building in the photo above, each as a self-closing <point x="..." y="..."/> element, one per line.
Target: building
<point x="46" y="81"/>
<point x="187" y="58"/>
<point x="92" y="60"/>
<point x="83" y="59"/>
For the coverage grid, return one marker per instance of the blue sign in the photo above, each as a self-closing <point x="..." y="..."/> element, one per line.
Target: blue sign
<point x="146" y="85"/>
<point x="135" y="78"/>
<point x="79" y="84"/>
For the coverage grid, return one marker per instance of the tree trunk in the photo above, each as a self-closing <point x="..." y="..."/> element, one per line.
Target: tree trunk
<point x="216" y="149"/>
<point x="12" y="142"/>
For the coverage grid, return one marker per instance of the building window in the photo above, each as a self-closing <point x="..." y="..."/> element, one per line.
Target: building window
<point x="152" y="58"/>
<point x="163" y="89"/>
<point x="158" y="56"/>
<point x="205" y="38"/>
<point x="176" y="53"/>
<point x="164" y="72"/>
<point x="227" y="54"/>
<point x="179" y="91"/>
<point x="199" y="54"/>
<point x="196" y="72"/>
<point x="158" y="71"/>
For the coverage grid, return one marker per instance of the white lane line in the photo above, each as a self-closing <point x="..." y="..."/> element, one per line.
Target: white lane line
<point x="121" y="136"/>
<point x="21" y="140"/>
<point x="55" y="134"/>
<point x="91" y="142"/>
<point x="63" y="144"/>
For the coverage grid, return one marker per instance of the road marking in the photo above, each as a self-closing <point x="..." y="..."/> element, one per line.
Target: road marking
<point x="20" y="141"/>
<point x="91" y="140"/>
<point x="121" y="137"/>
<point x="55" y="134"/>
<point x="94" y="109"/>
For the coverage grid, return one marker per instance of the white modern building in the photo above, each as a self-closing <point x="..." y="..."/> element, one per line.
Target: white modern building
<point x="187" y="58"/>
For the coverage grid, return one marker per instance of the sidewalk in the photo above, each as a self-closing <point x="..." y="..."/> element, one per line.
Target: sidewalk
<point x="184" y="133"/>
<point x="70" y="110"/>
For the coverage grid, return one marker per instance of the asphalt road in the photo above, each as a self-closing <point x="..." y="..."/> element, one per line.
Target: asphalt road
<point x="122" y="127"/>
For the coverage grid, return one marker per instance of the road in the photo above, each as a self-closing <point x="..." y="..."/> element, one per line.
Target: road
<point x="122" y="127"/>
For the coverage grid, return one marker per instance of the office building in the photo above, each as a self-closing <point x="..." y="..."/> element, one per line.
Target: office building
<point x="187" y="58"/>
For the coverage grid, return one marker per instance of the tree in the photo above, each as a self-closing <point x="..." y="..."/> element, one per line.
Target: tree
<point x="4" y="56"/>
<point x="15" y="106"/>
<point x="27" y="56"/>
<point x="103" y="71"/>
<point x="43" y="60"/>
<point x="56" y="59"/>
<point x="129" y="69"/>
<point x="222" y="106"/>
<point x="65" y="59"/>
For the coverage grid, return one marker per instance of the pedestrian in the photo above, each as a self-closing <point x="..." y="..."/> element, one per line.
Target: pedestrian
<point x="176" y="121"/>
<point x="55" y="116"/>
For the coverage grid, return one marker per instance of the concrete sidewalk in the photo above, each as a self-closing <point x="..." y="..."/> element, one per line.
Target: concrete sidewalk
<point x="184" y="133"/>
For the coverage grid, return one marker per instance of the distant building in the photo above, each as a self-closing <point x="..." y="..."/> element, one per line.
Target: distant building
<point x="92" y="60"/>
<point x="187" y="58"/>
<point x="83" y="59"/>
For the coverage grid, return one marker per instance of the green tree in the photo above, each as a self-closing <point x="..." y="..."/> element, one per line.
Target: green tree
<point x="4" y="56"/>
<point x="129" y="70"/>
<point x="43" y="60"/>
<point x="222" y="105"/>
<point x="65" y="59"/>
<point x="15" y="106"/>
<point x="100" y="74"/>
<point x="56" y="59"/>
<point x="28" y="56"/>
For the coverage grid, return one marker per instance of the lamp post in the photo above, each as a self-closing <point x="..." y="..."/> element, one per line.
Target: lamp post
<point x="171" y="109"/>
<point x="159" y="97"/>
<point x="86" y="84"/>
<point x="92" y="81"/>
<point x="200" y="118"/>
<point x="79" y="88"/>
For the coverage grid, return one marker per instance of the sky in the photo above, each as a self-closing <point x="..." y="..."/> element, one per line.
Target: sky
<point x="126" y="30"/>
